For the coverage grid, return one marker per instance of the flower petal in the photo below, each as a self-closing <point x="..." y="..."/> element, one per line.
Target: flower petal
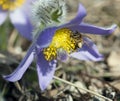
<point x="88" y="52"/>
<point x="80" y="15"/>
<point x="45" y="71"/>
<point x="91" y="29"/>
<point x="45" y="37"/>
<point x="26" y="6"/>
<point x="3" y="16"/>
<point x="78" y="19"/>
<point x="22" y="23"/>
<point x="18" y="73"/>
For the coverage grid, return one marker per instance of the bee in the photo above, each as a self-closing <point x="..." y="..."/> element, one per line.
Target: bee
<point x="78" y="39"/>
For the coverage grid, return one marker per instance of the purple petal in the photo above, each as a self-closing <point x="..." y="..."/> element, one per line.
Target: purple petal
<point x="18" y="73"/>
<point x="78" y="19"/>
<point x="3" y="16"/>
<point x="45" y="71"/>
<point x="91" y="29"/>
<point x="22" y="23"/>
<point x="88" y="52"/>
<point x="26" y="7"/>
<point x="28" y="3"/>
<point x="45" y="37"/>
<point x="80" y="15"/>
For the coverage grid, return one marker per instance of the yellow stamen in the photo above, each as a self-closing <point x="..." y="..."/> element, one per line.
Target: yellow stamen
<point x="10" y="4"/>
<point x="63" y="39"/>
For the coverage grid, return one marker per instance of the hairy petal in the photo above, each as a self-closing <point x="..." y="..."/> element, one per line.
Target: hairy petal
<point x="22" y="23"/>
<point x="18" y="73"/>
<point x="88" y="52"/>
<point x="45" y="71"/>
<point x="91" y="29"/>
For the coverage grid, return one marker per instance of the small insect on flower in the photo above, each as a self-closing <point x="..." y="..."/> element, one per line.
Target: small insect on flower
<point x="17" y="10"/>
<point x="64" y="41"/>
<point x="60" y="42"/>
<point x="78" y="39"/>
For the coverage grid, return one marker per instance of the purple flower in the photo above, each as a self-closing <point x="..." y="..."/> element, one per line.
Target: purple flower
<point x="18" y="12"/>
<point x="58" y="43"/>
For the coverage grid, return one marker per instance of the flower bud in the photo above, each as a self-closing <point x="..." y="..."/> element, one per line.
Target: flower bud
<point x="48" y="13"/>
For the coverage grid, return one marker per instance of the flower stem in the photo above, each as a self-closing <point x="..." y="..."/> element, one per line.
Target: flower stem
<point x="89" y="91"/>
<point x="18" y="86"/>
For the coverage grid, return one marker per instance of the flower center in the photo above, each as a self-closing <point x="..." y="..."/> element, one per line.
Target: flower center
<point x="10" y="4"/>
<point x="64" y="39"/>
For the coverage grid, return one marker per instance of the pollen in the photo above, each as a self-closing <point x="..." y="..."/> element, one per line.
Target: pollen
<point x="61" y="40"/>
<point x="10" y="4"/>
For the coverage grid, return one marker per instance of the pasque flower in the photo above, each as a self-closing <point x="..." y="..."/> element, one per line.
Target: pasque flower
<point x="59" y="42"/>
<point x="18" y="11"/>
